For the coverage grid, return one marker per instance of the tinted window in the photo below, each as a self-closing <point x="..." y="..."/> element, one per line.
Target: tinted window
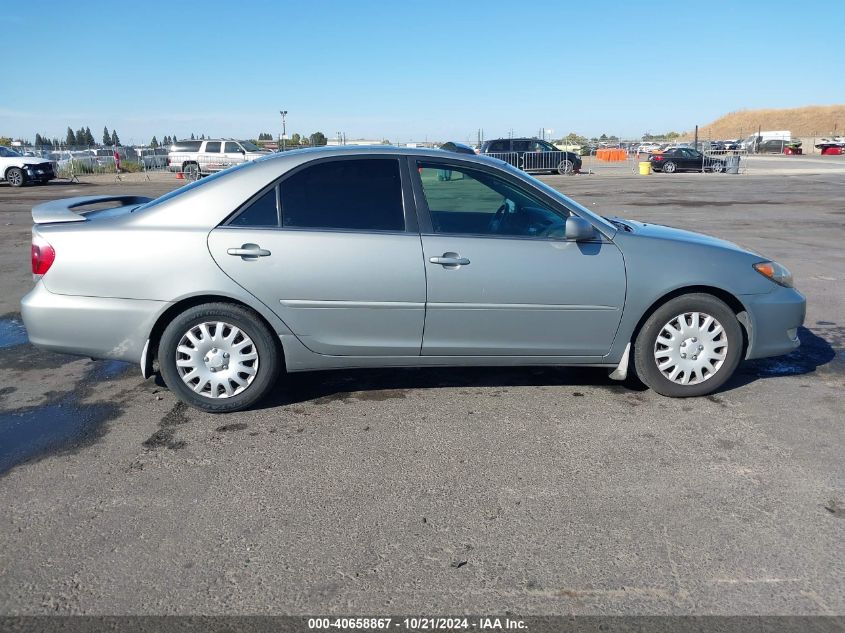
<point x="345" y="194"/>
<point x="468" y="201"/>
<point x="213" y="147"/>
<point x="498" y="146"/>
<point x="521" y="146"/>
<point x="186" y="146"/>
<point x="231" y="148"/>
<point x="261" y="212"/>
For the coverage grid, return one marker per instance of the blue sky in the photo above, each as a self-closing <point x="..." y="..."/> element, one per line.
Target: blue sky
<point x="411" y="70"/>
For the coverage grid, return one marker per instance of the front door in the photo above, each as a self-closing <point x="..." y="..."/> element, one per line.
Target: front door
<point x="502" y="280"/>
<point x="327" y="249"/>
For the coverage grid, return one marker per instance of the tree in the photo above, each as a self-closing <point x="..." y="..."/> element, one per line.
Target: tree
<point x="6" y="140"/>
<point x="115" y="139"/>
<point x="89" y="138"/>
<point x="106" y="137"/>
<point x="192" y="136"/>
<point x="154" y="143"/>
<point x="296" y="139"/>
<point x="81" y="139"/>
<point x="318" y="138"/>
<point x="70" y="138"/>
<point x="38" y="140"/>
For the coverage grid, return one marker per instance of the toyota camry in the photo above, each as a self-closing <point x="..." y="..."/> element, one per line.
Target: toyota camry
<point x="367" y="257"/>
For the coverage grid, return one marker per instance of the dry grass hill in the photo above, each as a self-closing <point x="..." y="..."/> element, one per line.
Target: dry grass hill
<point x="806" y="121"/>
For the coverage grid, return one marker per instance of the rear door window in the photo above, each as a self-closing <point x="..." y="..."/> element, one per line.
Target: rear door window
<point x="212" y="147"/>
<point x="363" y="194"/>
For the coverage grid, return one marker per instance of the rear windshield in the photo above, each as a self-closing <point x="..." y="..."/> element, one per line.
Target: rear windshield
<point x="194" y="185"/>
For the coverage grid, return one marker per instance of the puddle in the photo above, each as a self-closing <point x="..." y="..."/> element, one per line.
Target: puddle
<point x="58" y="427"/>
<point x="63" y="425"/>
<point x="12" y="332"/>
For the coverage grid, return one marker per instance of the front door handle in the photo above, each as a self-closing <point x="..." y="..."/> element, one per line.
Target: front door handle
<point x="248" y="251"/>
<point x="449" y="259"/>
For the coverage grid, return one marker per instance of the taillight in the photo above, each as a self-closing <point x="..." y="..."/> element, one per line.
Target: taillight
<point x="43" y="255"/>
<point x="657" y="157"/>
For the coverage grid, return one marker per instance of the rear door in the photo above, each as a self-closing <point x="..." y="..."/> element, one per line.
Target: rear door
<point x="334" y="250"/>
<point x="210" y="159"/>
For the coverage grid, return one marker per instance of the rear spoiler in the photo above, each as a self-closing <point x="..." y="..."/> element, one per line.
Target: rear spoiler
<point x="63" y="210"/>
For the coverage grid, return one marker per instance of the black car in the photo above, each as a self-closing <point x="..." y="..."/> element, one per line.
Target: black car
<point x="685" y="159"/>
<point x="460" y="148"/>
<point x="533" y="155"/>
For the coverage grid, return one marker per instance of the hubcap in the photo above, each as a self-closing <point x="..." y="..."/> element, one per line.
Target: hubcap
<point x="565" y="167"/>
<point x="15" y="177"/>
<point x="216" y="359"/>
<point x="691" y="348"/>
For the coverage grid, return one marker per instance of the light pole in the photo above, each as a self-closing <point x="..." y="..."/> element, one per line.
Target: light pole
<point x="284" y="113"/>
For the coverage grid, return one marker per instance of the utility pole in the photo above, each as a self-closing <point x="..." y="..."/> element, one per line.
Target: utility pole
<point x="284" y="113"/>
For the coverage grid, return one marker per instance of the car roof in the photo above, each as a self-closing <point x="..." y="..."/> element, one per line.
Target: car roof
<point x="309" y="153"/>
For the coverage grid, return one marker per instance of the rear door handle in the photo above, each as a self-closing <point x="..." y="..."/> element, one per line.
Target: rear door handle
<point x="248" y="251"/>
<point x="449" y="259"/>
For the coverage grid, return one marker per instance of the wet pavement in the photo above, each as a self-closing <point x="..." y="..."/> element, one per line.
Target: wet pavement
<point x="430" y="490"/>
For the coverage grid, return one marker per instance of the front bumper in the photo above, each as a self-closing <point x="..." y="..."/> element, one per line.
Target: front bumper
<point x="40" y="172"/>
<point x="97" y="327"/>
<point x="774" y="319"/>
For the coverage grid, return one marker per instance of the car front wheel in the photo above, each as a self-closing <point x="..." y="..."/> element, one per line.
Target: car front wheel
<point x="15" y="177"/>
<point x="689" y="346"/>
<point x="219" y="357"/>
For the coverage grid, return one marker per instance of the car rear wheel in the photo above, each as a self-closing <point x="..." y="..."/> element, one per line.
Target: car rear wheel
<point x="718" y="167"/>
<point x="15" y="177"/>
<point x="191" y="171"/>
<point x="689" y="347"/>
<point x="565" y="167"/>
<point x="669" y="167"/>
<point x="219" y="357"/>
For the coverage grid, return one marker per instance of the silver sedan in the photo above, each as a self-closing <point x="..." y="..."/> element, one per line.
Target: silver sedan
<point x="385" y="257"/>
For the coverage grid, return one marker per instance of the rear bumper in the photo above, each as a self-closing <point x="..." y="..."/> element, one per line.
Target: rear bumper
<point x="89" y="326"/>
<point x="774" y="319"/>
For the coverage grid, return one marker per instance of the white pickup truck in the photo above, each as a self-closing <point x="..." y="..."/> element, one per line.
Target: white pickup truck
<point x="19" y="170"/>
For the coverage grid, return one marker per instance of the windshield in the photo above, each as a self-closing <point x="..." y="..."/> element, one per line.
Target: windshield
<point x="566" y="200"/>
<point x="250" y="147"/>
<point x="8" y="153"/>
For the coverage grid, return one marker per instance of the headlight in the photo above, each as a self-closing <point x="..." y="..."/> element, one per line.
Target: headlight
<point x="774" y="271"/>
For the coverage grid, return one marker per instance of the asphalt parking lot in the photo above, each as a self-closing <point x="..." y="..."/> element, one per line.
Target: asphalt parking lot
<point x="534" y="491"/>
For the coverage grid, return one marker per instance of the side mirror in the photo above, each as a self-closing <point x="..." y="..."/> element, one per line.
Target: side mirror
<point x="578" y="229"/>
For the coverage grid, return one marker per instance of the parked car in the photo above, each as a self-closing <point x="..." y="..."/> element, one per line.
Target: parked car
<point x="198" y="158"/>
<point x="153" y="158"/>
<point x="685" y="159"/>
<point x="19" y="170"/>
<point x="269" y="266"/>
<point x="460" y="148"/>
<point x="831" y="149"/>
<point x="778" y="146"/>
<point x="532" y="155"/>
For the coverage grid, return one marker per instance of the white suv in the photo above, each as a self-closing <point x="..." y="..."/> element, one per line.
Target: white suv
<point x="18" y="170"/>
<point x="197" y="158"/>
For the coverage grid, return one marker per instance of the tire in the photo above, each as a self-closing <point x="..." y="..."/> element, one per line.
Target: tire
<point x="191" y="171"/>
<point x="668" y="167"/>
<point x="717" y="167"/>
<point x="15" y="177"/>
<point x="681" y="373"/>
<point x="218" y="332"/>
<point x="565" y="167"/>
